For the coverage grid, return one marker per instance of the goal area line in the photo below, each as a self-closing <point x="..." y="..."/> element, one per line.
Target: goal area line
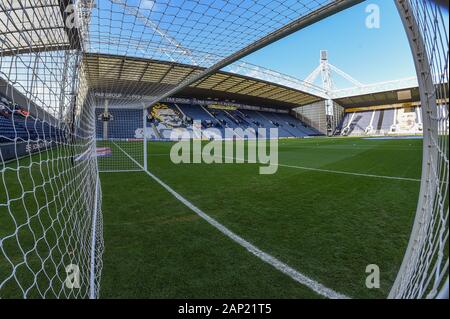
<point x="121" y="171"/>
<point x="267" y="258"/>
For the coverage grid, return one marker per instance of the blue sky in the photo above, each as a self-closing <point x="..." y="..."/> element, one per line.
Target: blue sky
<point x="368" y="55"/>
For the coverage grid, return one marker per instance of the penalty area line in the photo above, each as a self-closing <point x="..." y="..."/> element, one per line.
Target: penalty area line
<point x="350" y="173"/>
<point x="267" y="258"/>
<point x="323" y="170"/>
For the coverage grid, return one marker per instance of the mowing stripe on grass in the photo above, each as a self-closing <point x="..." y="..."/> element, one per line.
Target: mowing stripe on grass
<point x="277" y="264"/>
<point x="409" y="179"/>
<point x="350" y="173"/>
<point x="336" y="172"/>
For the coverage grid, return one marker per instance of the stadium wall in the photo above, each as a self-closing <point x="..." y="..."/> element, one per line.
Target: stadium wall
<point x="11" y="151"/>
<point x="117" y="100"/>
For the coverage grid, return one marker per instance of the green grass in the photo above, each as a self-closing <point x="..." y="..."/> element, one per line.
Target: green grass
<point x="326" y="225"/>
<point x="43" y="199"/>
<point x="134" y="149"/>
<point x="157" y="248"/>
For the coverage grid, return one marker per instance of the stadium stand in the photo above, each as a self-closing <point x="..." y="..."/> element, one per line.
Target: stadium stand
<point x="123" y="128"/>
<point x="126" y="123"/>
<point x="17" y="124"/>
<point x="391" y="121"/>
<point x="196" y="112"/>
<point x="224" y="118"/>
<point x="358" y="123"/>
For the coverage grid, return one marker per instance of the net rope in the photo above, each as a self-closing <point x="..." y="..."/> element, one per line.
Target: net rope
<point x="198" y="33"/>
<point x="50" y="198"/>
<point x="50" y="195"/>
<point x="425" y="267"/>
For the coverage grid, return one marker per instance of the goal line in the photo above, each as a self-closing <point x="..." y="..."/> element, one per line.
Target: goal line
<point x="267" y="258"/>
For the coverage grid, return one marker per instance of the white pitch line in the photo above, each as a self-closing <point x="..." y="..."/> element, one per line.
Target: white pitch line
<point x="277" y="264"/>
<point x="337" y="172"/>
<point x="350" y="173"/>
<point x="331" y="171"/>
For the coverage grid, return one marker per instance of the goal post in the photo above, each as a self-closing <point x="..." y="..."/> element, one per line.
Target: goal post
<point x="424" y="271"/>
<point x="121" y="142"/>
<point x="144" y="135"/>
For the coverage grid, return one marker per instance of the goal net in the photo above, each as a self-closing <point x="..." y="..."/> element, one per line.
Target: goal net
<point x="424" y="271"/>
<point x="52" y="142"/>
<point x="50" y="199"/>
<point x="56" y="133"/>
<point x="121" y="142"/>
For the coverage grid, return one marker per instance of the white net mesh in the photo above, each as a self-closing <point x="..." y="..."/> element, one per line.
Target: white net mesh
<point x="50" y="212"/>
<point x="425" y="266"/>
<point x="202" y="33"/>
<point x="120" y="137"/>
<point x="50" y="201"/>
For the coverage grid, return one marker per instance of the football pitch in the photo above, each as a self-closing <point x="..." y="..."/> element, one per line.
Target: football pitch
<point x="334" y="206"/>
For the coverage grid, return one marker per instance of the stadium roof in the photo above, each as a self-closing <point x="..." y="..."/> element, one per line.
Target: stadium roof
<point x="202" y="33"/>
<point x="404" y="95"/>
<point x="194" y="38"/>
<point x="35" y="27"/>
<point x="144" y="77"/>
